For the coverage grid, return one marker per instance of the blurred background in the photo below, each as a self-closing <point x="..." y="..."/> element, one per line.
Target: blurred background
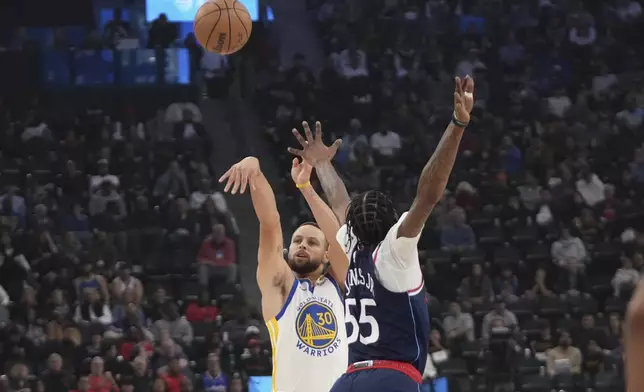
<point x="123" y="264"/>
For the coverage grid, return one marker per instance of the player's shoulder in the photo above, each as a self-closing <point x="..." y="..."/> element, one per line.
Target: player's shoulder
<point x="392" y="233"/>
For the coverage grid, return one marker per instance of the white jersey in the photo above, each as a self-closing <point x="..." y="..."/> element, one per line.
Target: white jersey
<point x="309" y="338"/>
<point x="396" y="260"/>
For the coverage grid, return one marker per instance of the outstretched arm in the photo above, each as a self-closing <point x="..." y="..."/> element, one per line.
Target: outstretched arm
<point x="435" y="174"/>
<point x="334" y="189"/>
<point x="319" y="156"/>
<point x="325" y="218"/>
<point x="271" y="267"/>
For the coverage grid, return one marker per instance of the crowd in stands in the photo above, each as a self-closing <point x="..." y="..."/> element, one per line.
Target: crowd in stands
<point x="539" y="235"/>
<point x="117" y="254"/>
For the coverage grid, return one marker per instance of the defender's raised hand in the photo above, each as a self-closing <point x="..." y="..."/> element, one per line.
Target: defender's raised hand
<point x="463" y="99"/>
<point x="313" y="149"/>
<point x="240" y="175"/>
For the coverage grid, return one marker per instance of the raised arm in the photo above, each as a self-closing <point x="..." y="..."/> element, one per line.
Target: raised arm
<point x="272" y="270"/>
<point x="435" y="174"/>
<point x="319" y="156"/>
<point x="325" y="218"/>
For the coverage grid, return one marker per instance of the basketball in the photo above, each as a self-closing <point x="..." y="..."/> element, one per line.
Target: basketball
<point x="223" y="26"/>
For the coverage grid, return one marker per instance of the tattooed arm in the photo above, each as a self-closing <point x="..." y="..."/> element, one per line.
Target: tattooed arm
<point x="334" y="189"/>
<point x="319" y="155"/>
<point x="435" y="174"/>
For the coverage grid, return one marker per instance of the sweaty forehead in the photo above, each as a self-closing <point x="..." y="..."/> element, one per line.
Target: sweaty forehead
<point x="309" y="231"/>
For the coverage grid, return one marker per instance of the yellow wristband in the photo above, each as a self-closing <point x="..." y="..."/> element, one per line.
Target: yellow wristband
<point x="302" y="186"/>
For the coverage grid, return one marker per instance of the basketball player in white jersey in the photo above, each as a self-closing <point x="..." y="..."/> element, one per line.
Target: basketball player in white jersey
<point x="302" y="302"/>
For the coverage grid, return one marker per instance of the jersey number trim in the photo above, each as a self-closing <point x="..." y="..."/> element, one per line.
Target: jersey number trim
<point x="363" y="319"/>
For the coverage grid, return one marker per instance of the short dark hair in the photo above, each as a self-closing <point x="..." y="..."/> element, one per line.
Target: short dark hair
<point x="311" y="223"/>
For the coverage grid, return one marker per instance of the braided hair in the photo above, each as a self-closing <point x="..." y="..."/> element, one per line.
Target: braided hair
<point x="370" y="215"/>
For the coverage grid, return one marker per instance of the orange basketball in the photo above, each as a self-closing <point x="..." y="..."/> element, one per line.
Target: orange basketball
<point x="223" y="26"/>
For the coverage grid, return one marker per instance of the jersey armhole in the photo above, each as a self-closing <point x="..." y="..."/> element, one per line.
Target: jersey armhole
<point x="288" y="300"/>
<point x="397" y="280"/>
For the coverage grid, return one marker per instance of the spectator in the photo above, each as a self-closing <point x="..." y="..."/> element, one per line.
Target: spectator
<point x="544" y="342"/>
<point x="93" y="310"/>
<point x="99" y="380"/>
<point x="569" y="253"/>
<point x="237" y="329"/>
<point x="159" y="386"/>
<point x="125" y="316"/>
<point x="436" y="342"/>
<point x="477" y="288"/>
<point x="161" y="33"/>
<point x="4" y="303"/>
<point x="77" y="222"/>
<point x="214" y="379"/>
<point x="625" y="278"/>
<point x="103" y="175"/>
<point x="588" y="332"/>
<point x="386" y="144"/>
<point x="55" y="379"/>
<point x="594" y="359"/>
<point x="116" y="29"/>
<point x="457" y="235"/>
<point x="203" y="310"/>
<point x="172" y="183"/>
<point x="352" y="63"/>
<point x="203" y="193"/>
<point x="104" y="196"/>
<point x="168" y="353"/>
<point x="564" y="358"/>
<point x="458" y="326"/>
<point x="590" y="187"/>
<point x="188" y="128"/>
<point x="236" y="383"/>
<point x="542" y="286"/>
<point x="89" y="280"/>
<point x="140" y="379"/>
<point x="499" y="316"/>
<point x="14" y="211"/>
<point x="530" y="193"/>
<point x="256" y="360"/>
<point x="20" y="379"/>
<point x="158" y="302"/>
<point x="83" y="384"/>
<point x="126" y="284"/>
<point x="217" y="257"/>
<point x="177" y="326"/>
<point x="172" y="376"/>
<point x="507" y="285"/>
<point x="511" y="156"/>
<point x="72" y="183"/>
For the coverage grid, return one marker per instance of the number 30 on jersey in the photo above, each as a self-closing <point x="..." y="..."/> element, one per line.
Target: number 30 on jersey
<point x="364" y="319"/>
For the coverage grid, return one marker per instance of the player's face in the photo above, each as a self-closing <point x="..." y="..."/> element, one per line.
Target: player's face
<point x="308" y="250"/>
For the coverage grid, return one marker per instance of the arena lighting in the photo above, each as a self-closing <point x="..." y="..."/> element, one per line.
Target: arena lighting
<point x="185" y="10"/>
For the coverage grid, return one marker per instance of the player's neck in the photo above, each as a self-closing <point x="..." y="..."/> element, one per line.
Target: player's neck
<point x="313" y="276"/>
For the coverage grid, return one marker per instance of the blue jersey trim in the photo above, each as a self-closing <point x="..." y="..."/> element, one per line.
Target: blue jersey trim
<point x="291" y="293"/>
<point x="413" y="318"/>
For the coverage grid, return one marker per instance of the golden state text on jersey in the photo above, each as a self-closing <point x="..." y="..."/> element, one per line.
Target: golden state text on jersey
<point x="316" y="325"/>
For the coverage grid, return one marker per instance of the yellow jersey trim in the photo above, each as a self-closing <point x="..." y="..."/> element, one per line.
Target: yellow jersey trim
<point x="274" y="331"/>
